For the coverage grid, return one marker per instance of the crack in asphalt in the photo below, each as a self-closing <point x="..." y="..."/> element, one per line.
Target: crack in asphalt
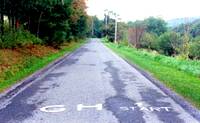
<point x="114" y="103"/>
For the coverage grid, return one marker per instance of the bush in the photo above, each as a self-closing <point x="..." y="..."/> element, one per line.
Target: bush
<point x="149" y="41"/>
<point x="105" y="39"/>
<point x="18" y="38"/>
<point x="58" y="38"/>
<point x="170" y="43"/>
<point x="195" y="50"/>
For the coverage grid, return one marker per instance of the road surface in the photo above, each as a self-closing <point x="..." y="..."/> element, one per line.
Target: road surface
<point x="92" y="85"/>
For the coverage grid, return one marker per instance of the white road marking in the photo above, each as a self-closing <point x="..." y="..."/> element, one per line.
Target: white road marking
<point x="149" y="109"/>
<point x="97" y="106"/>
<point x="53" y="109"/>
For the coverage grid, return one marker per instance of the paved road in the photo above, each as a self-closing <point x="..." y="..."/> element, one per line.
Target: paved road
<point x="93" y="85"/>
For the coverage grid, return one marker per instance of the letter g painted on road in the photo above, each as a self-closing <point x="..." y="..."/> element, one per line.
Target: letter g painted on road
<point x="53" y="108"/>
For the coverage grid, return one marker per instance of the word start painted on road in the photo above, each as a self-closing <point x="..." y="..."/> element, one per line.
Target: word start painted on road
<point x="99" y="107"/>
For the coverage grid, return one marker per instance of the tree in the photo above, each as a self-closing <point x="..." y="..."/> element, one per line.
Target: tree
<point x="194" y="51"/>
<point x="122" y="33"/>
<point x="135" y="33"/>
<point x="78" y="18"/>
<point x="155" y="25"/>
<point x="96" y="26"/>
<point x="185" y="47"/>
<point x="149" y="41"/>
<point x="195" y="30"/>
<point x="170" y="43"/>
<point x="64" y="19"/>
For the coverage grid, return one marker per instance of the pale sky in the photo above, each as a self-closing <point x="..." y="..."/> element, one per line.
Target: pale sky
<point x="141" y="9"/>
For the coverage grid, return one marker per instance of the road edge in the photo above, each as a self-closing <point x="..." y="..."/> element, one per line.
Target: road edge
<point x="177" y="98"/>
<point x="29" y="80"/>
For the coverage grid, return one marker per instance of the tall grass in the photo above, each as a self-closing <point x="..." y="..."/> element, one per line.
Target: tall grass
<point x="188" y="66"/>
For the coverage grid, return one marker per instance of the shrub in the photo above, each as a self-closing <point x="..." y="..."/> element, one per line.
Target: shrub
<point x="105" y="39"/>
<point x="58" y="38"/>
<point x="170" y="43"/>
<point x="195" y="50"/>
<point x="149" y="40"/>
<point x="18" y="38"/>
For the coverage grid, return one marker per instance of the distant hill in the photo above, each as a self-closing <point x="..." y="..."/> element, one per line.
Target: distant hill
<point x="178" y="21"/>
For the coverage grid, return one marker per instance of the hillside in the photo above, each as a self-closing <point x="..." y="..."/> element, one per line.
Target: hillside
<point x="178" y="21"/>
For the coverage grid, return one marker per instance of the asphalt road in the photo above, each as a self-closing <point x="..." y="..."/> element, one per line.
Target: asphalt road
<point x="92" y="85"/>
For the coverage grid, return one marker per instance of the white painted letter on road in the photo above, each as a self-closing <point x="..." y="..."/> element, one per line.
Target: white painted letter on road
<point x="53" y="108"/>
<point x="97" y="106"/>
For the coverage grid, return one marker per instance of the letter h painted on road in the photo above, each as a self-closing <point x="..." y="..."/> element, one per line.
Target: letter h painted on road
<point x="97" y="107"/>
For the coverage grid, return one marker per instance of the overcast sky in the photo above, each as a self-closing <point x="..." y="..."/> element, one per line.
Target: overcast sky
<point x="140" y="9"/>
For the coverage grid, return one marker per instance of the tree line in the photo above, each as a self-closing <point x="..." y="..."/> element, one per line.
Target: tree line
<point x="154" y="34"/>
<point x="51" y="22"/>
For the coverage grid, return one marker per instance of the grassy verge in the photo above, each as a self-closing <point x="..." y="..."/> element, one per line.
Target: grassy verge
<point x="181" y="81"/>
<point x="27" y="63"/>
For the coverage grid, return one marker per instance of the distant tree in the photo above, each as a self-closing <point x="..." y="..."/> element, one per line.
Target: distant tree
<point x="170" y="43"/>
<point x="180" y="29"/>
<point x="155" y="25"/>
<point x="135" y="33"/>
<point x="185" y="48"/>
<point x="78" y="18"/>
<point x="122" y="34"/>
<point x="111" y="30"/>
<point x="149" y="41"/>
<point x="194" y="50"/>
<point x="195" y="29"/>
<point x="97" y="26"/>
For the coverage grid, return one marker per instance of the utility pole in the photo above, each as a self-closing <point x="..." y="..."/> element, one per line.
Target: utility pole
<point x="115" y="29"/>
<point x="106" y="20"/>
<point x="116" y="25"/>
<point x="107" y="14"/>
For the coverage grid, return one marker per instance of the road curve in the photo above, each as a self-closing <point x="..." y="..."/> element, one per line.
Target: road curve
<point x="92" y="85"/>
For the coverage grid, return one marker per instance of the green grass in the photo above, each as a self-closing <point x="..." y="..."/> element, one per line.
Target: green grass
<point x="182" y="76"/>
<point x="34" y="63"/>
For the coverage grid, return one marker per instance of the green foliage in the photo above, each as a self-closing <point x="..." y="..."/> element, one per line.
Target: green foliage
<point x="78" y="19"/>
<point x="188" y="66"/>
<point x="149" y="41"/>
<point x="155" y="25"/>
<point x="195" y="28"/>
<point x="110" y="31"/>
<point x="105" y="39"/>
<point x="170" y="43"/>
<point x="54" y="21"/>
<point x="196" y="38"/>
<point x="18" y="38"/>
<point x="177" y="42"/>
<point x="98" y="27"/>
<point x="185" y="47"/>
<point x="195" y="50"/>
<point x="180" y="29"/>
